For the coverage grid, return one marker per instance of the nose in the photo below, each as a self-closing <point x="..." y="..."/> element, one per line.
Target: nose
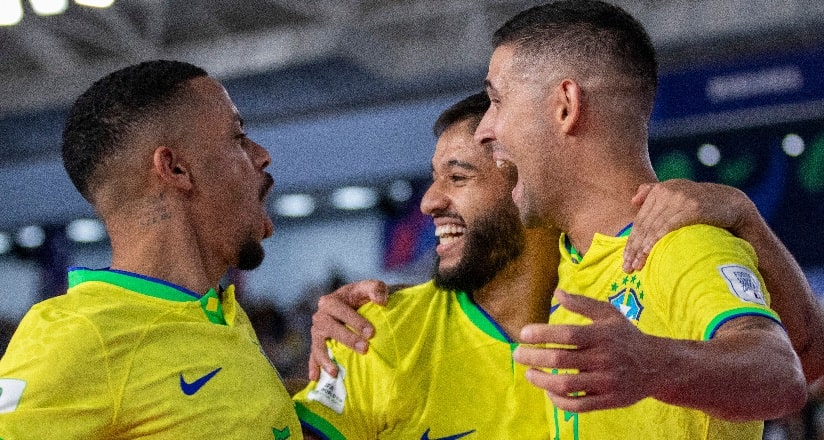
<point x="434" y="200"/>
<point x="260" y="155"/>
<point x="484" y="133"/>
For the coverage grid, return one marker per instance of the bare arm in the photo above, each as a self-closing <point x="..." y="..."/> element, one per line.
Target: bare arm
<point x="337" y="318"/>
<point x="675" y="203"/>
<point x="748" y="371"/>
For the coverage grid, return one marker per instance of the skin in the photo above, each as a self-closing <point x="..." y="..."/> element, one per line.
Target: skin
<point x="196" y="197"/>
<point x="466" y="186"/>
<point x="618" y="364"/>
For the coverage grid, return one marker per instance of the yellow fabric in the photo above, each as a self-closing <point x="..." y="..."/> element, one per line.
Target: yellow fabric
<point x="435" y="369"/>
<point x="683" y="294"/>
<point x="105" y="362"/>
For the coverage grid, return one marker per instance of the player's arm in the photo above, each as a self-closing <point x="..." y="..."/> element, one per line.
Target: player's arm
<point x="675" y="203"/>
<point x="748" y="371"/>
<point x="337" y="318"/>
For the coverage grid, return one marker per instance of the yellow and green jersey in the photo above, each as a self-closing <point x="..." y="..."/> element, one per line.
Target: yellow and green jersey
<point x="695" y="279"/>
<point x="124" y="356"/>
<point x="438" y="367"/>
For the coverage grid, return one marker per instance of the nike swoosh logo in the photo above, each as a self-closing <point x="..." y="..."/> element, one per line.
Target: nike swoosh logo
<point x="425" y="436"/>
<point x="193" y="387"/>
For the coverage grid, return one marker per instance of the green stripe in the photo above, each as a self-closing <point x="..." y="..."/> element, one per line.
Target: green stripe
<point x="308" y="417"/>
<point x="133" y="283"/>
<point x="734" y="313"/>
<point x="479" y="318"/>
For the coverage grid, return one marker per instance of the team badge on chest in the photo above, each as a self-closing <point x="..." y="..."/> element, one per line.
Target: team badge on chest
<point x="627" y="297"/>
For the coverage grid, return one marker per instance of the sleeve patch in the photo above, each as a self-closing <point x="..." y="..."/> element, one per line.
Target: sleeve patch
<point x="743" y="283"/>
<point x="10" y="392"/>
<point x="330" y="391"/>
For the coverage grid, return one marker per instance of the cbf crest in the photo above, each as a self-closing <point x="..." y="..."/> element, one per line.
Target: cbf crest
<point x="627" y="296"/>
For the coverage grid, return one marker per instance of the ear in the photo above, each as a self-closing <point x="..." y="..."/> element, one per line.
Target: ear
<point x="568" y="103"/>
<point x="169" y="167"/>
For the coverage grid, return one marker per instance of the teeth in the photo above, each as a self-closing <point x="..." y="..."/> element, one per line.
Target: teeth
<point x="449" y="233"/>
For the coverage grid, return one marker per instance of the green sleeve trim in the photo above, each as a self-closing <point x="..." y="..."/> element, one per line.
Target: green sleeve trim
<point x="314" y="422"/>
<point x="480" y="318"/>
<point x="722" y="318"/>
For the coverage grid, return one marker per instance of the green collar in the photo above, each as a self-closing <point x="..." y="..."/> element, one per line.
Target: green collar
<point x="157" y="288"/>
<point x="576" y="256"/>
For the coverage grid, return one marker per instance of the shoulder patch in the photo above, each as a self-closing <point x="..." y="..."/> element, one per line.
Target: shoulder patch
<point x="10" y="392"/>
<point x="330" y="391"/>
<point x="743" y="283"/>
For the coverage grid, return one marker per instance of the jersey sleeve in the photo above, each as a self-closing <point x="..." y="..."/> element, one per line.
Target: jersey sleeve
<point x="54" y="380"/>
<point x="353" y="405"/>
<point x="711" y="277"/>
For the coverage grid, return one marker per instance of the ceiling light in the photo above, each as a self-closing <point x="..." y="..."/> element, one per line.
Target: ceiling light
<point x="31" y="237"/>
<point x="354" y="197"/>
<point x="709" y="155"/>
<point x="86" y="230"/>
<point x="400" y="190"/>
<point x="95" y="3"/>
<point x="5" y="243"/>
<point x="49" y="7"/>
<point x="295" y="205"/>
<point x="793" y="145"/>
<point x="11" y="12"/>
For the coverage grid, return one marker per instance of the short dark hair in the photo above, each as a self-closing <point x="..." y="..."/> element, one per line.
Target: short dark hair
<point x="471" y="108"/>
<point x="587" y="35"/>
<point x="102" y="117"/>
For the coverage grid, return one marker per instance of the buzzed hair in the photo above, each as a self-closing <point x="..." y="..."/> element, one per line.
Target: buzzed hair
<point x="588" y="36"/>
<point x="471" y="108"/>
<point x="102" y="118"/>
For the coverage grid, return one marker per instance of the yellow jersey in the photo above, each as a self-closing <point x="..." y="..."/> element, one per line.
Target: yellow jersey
<point x="124" y="356"/>
<point x="695" y="279"/>
<point x="438" y="367"/>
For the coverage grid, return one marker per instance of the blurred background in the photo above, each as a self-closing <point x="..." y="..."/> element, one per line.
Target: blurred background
<point x="343" y="95"/>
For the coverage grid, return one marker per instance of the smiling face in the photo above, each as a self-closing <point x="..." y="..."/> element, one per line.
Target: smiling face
<point x="475" y="220"/>
<point x="229" y="181"/>
<point x="517" y="124"/>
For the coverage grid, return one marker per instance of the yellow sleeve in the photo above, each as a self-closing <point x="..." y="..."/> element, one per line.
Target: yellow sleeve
<point x="710" y="277"/>
<point x="54" y="380"/>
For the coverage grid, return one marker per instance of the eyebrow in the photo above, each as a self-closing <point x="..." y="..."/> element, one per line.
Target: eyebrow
<point x="457" y="163"/>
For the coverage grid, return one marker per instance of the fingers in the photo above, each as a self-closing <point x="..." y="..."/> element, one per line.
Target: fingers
<point x="591" y="308"/>
<point x="334" y="316"/>
<point x="583" y="391"/>
<point x="336" y="320"/>
<point x="318" y="360"/>
<point x="358" y="294"/>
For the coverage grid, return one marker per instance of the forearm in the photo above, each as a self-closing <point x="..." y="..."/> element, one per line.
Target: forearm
<point x="738" y="377"/>
<point x="790" y="292"/>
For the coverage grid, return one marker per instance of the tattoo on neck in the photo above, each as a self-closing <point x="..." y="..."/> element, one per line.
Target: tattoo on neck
<point x="154" y="210"/>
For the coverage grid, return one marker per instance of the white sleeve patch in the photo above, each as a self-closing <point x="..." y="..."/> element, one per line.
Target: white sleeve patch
<point x="743" y="283"/>
<point x="330" y="391"/>
<point x="10" y="392"/>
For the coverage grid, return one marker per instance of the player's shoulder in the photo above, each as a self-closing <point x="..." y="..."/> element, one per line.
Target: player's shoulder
<point x="698" y="241"/>
<point x="411" y="303"/>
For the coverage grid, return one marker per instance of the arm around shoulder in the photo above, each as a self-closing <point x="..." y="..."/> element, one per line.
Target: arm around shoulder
<point x="790" y="292"/>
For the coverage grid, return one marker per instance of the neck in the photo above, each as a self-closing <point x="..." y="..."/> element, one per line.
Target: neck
<point x="165" y="251"/>
<point x="601" y="202"/>
<point x="521" y="293"/>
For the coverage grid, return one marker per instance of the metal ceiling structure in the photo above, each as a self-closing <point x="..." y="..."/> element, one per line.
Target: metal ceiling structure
<point x="46" y="61"/>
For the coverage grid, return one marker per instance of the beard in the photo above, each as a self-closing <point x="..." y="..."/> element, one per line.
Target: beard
<point x="491" y="244"/>
<point x="250" y="255"/>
